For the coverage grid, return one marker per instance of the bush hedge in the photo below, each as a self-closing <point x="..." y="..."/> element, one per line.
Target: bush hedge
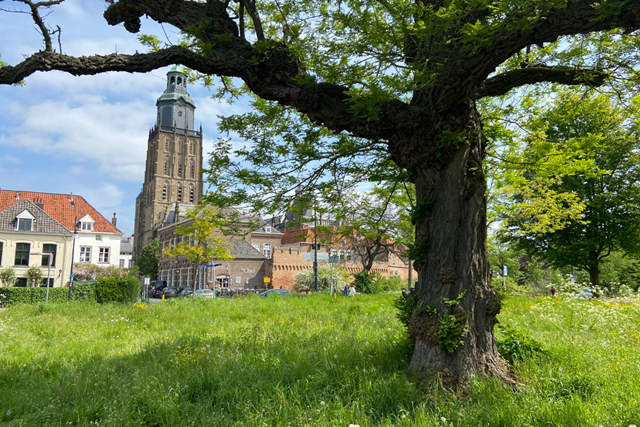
<point x="12" y="295"/>
<point x="117" y="289"/>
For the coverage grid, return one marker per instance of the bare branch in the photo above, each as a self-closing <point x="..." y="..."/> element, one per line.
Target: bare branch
<point x="503" y="83"/>
<point x="35" y="14"/>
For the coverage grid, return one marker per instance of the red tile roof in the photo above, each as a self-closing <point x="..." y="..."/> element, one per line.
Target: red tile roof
<point x="60" y="208"/>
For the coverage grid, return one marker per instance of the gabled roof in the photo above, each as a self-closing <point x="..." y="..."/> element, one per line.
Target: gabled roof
<point x="241" y="249"/>
<point x="43" y="223"/>
<point x="60" y="207"/>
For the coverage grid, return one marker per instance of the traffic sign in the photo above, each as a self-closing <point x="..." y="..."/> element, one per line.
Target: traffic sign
<point x="504" y="271"/>
<point x="334" y="259"/>
<point x="207" y="265"/>
<point x="217" y="265"/>
<point x="267" y="280"/>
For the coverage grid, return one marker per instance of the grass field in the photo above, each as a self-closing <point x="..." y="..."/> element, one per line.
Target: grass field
<point x="302" y="361"/>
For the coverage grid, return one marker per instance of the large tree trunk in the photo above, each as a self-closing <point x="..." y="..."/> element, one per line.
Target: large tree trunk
<point x="594" y="269"/>
<point x="451" y="258"/>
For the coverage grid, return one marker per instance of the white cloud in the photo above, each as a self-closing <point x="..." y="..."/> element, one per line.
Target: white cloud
<point x="9" y="159"/>
<point x="113" y="135"/>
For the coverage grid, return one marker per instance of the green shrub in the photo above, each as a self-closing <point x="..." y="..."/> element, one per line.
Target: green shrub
<point x="8" y="276"/>
<point x="305" y="280"/>
<point x="365" y="282"/>
<point x="80" y="292"/>
<point x="117" y="289"/>
<point x="405" y="307"/>
<point x="514" y="345"/>
<point x="391" y="284"/>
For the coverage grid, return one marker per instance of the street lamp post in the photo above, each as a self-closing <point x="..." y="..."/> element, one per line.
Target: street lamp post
<point x="49" y="255"/>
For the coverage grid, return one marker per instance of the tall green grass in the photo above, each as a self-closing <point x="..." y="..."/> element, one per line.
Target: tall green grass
<point x="301" y="361"/>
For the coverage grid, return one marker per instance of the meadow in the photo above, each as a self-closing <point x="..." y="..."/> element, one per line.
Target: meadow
<point x="303" y="361"/>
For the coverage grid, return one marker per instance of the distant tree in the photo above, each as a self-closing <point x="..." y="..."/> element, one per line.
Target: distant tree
<point x="601" y="135"/>
<point x="148" y="260"/>
<point x="202" y="244"/>
<point x="305" y="280"/>
<point x="34" y="275"/>
<point x="8" y="276"/>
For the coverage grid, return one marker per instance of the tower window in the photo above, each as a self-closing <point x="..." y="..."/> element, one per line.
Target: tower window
<point x="173" y="80"/>
<point x="190" y="147"/>
<point x="193" y="169"/>
<point x="166" y="143"/>
<point x="179" y="81"/>
<point x="179" y="113"/>
<point x="191" y="194"/>
<point x="179" y="193"/>
<point x="166" y="165"/>
<point x="164" y="192"/>
<point x="180" y="170"/>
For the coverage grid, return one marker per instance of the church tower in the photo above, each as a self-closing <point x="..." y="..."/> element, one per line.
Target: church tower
<point x="174" y="161"/>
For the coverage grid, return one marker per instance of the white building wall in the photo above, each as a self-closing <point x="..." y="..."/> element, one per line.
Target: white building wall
<point x="89" y="240"/>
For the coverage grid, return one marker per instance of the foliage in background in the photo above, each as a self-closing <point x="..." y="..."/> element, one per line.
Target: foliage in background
<point x="117" y="289"/>
<point x="305" y="280"/>
<point x="202" y="244"/>
<point x="89" y="272"/>
<point x="147" y="262"/>
<point x="7" y="276"/>
<point x="34" y="276"/>
<point x="80" y="292"/>
<point x="595" y="140"/>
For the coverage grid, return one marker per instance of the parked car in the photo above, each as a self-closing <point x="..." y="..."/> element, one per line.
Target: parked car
<point x="204" y="293"/>
<point x="170" y="292"/>
<point x="157" y="288"/>
<point x="275" y="292"/>
<point x="185" y="293"/>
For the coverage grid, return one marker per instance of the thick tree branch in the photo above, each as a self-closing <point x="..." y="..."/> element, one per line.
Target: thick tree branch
<point x="578" y="17"/>
<point x="503" y="83"/>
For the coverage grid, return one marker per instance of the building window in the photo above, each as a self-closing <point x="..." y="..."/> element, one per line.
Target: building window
<point x="98" y="237"/>
<point x="103" y="255"/>
<point x="191" y="194"/>
<point x="256" y="245"/>
<point x="85" y="254"/>
<point x="51" y="280"/>
<point x="166" y="165"/>
<point x="267" y="250"/>
<point x="179" y="81"/>
<point x="393" y="257"/>
<point x="179" y="113"/>
<point x="180" y="170"/>
<point x="21" y="282"/>
<point x="164" y="192"/>
<point x="348" y="255"/>
<point x="190" y="147"/>
<point x="50" y="248"/>
<point x="121" y="263"/>
<point x="166" y="146"/>
<point x="179" y="193"/>
<point x="22" y="254"/>
<point x="267" y="229"/>
<point x="193" y="169"/>
<point x="24" y="224"/>
<point x="130" y="262"/>
<point x="86" y="226"/>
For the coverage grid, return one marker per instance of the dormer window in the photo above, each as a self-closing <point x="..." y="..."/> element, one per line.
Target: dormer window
<point x="267" y="229"/>
<point x="24" y="221"/>
<point x="25" y="224"/>
<point x="86" y="223"/>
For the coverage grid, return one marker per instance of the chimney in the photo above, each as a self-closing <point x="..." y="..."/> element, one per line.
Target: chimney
<point x="39" y="203"/>
<point x="114" y="220"/>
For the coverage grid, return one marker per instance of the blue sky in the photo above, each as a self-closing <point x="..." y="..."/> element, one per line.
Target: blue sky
<point x="86" y="135"/>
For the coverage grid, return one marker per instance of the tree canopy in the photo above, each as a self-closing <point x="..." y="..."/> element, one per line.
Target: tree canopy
<point x="596" y="139"/>
<point x="148" y="259"/>
<point x="354" y="91"/>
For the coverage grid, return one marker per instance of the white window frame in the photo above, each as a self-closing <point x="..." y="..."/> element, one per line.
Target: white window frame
<point x="103" y="255"/>
<point x="86" y="253"/>
<point x="256" y="246"/>
<point x="266" y="251"/>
